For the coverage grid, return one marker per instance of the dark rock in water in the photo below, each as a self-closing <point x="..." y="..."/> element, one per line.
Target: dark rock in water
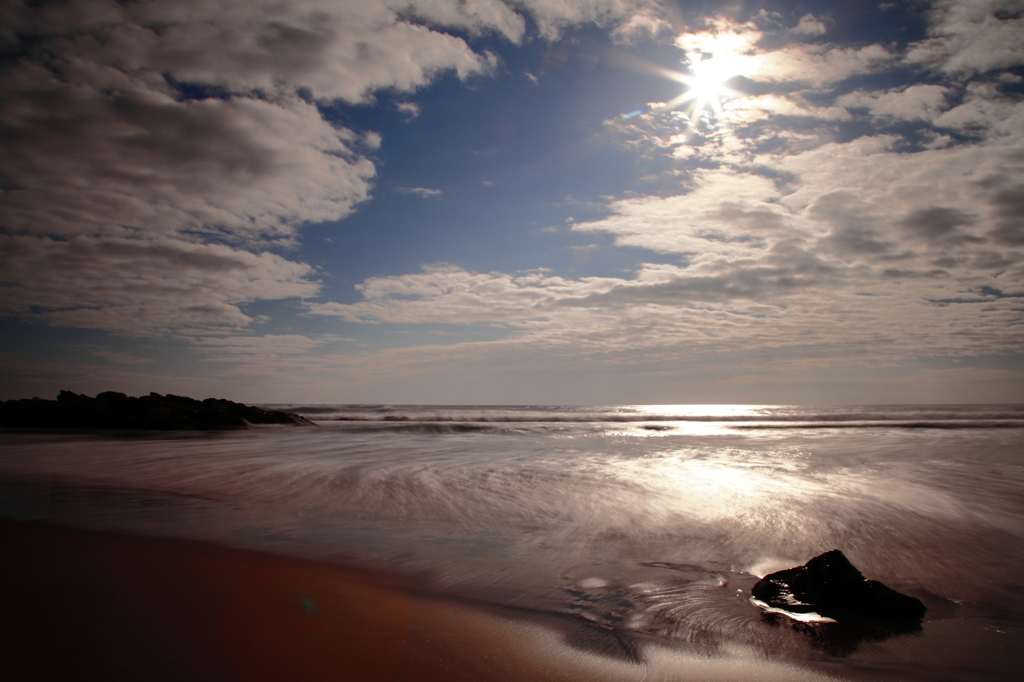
<point x="112" y="410"/>
<point x="831" y="586"/>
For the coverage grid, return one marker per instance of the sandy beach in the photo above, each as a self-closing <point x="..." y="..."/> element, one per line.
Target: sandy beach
<point x="83" y="604"/>
<point x="491" y="549"/>
<point x="87" y="604"/>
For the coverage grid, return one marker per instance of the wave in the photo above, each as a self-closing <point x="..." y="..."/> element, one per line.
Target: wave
<point x="527" y="427"/>
<point x="443" y="427"/>
<point x="660" y="417"/>
<point x="965" y="424"/>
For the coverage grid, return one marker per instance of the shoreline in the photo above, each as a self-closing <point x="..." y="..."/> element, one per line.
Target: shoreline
<point x="95" y="604"/>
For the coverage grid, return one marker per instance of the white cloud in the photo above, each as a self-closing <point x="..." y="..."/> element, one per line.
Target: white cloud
<point x="337" y="50"/>
<point x="104" y="156"/>
<point x="252" y="350"/>
<point x="643" y="24"/>
<point x="815" y="256"/>
<point x="144" y="212"/>
<point x="986" y="110"/>
<point x="135" y="162"/>
<point x="141" y="286"/>
<point x="757" y="320"/>
<point x="809" y="26"/>
<point x="474" y="15"/>
<point x="451" y="295"/>
<point x="775" y="276"/>
<point x="422" y="192"/>
<point x="914" y="102"/>
<point x="972" y="36"/>
<point x="410" y="109"/>
<point x="726" y="214"/>
<point x="749" y="109"/>
<point x="963" y="195"/>
<point x="818" y="65"/>
<point x="552" y="16"/>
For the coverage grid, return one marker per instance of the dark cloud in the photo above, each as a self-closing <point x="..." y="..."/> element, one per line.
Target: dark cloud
<point x="140" y="286"/>
<point x="161" y="157"/>
<point x="936" y="222"/>
<point x="853" y="222"/>
<point x="756" y="221"/>
<point x="785" y="270"/>
<point x="897" y="273"/>
<point x="1009" y="207"/>
<point x="154" y="151"/>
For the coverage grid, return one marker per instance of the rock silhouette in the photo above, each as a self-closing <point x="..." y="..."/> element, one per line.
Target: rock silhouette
<point x="831" y="586"/>
<point x="112" y="410"/>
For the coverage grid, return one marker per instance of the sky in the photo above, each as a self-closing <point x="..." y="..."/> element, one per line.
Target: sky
<point x="513" y="202"/>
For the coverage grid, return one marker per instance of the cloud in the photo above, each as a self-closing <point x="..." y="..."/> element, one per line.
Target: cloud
<point x="809" y="25"/>
<point x="764" y="318"/>
<point x="336" y="50"/>
<point x="372" y="140"/>
<point x="797" y="249"/>
<point x="161" y="158"/>
<point x="915" y="207"/>
<point x="158" y="155"/>
<point x="450" y="295"/>
<point x="914" y="102"/>
<point x="777" y="252"/>
<point x="750" y="109"/>
<point x="119" y="358"/>
<point x="938" y="222"/>
<point x="818" y="65"/>
<point x="972" y="36"/>
<point x="725" y="214"/>
<point x="642" y="24"/>
<point x="1009" y="211"/>
<point x="136" y="162"/>
<point x="985" y="110"/>
<point x="815" y="65"/>
<point x="552" y="16"/>
<point x="410" y="109"/>
<point x="141" y="286"/>
<point x="251" y="350"/>
<point x="45" y="379"/>
<point x="477" y="16"/>
<point x="422" y="192"/>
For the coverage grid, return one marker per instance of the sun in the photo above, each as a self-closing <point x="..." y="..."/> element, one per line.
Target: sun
<point x="713" y="58"/>
<point x="706" y="84"/>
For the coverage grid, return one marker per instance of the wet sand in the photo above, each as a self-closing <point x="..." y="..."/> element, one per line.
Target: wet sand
<point x="81" y="604"/>
<point x="78" y="604"/>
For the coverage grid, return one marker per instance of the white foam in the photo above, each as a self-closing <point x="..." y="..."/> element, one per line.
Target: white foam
<point x="767" y="565"/>
<point x="809" y="617"/>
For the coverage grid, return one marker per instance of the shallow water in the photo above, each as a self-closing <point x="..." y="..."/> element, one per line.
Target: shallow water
<point x="651" y="522"/>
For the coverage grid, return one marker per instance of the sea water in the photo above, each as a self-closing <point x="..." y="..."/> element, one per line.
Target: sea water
<point x="650" y="523"/>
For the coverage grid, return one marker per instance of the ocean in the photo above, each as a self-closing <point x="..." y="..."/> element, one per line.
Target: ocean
<point x="649" y="524"/>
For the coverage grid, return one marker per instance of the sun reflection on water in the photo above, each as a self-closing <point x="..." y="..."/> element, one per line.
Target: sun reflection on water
<point x="726" y="411"/>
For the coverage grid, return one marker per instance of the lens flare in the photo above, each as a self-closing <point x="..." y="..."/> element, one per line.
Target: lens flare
<point x="706" y="86"/>
<point x="713" y="60"/>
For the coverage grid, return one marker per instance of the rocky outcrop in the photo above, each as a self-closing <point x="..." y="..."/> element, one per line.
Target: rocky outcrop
<point x="830" y="586"/>
<point x="154" y="411"/>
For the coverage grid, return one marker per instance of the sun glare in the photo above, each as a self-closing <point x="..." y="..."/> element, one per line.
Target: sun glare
<point x="713" y="58"/>
<point x="706" y="84"/>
